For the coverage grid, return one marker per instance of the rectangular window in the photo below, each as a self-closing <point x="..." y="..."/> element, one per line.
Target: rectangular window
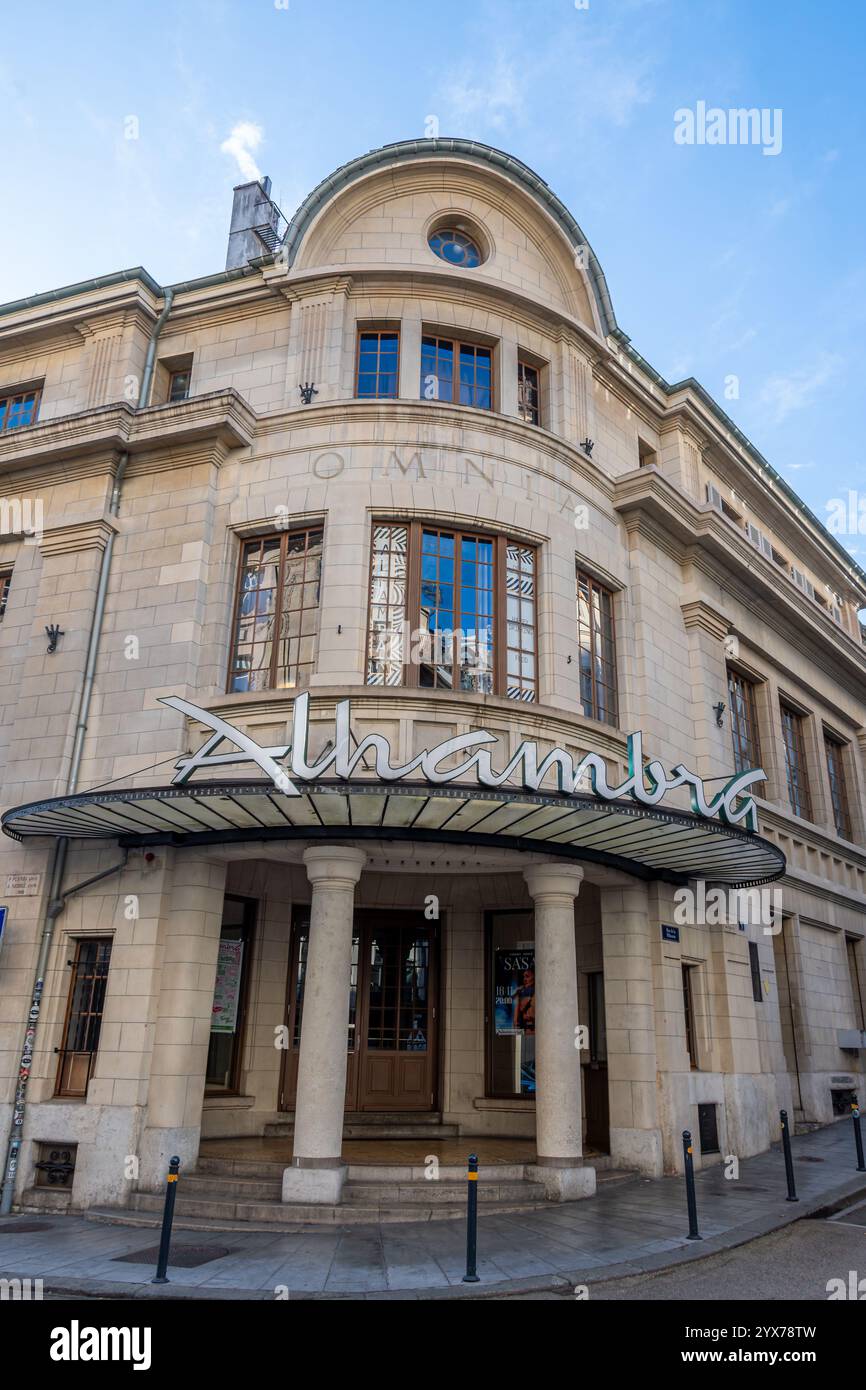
<point x="528" y="393"/>
<point x="835" y="752"/>
<point x="83" y="1016"/>
<point x="510" y="1004"/>
<point x="178" y="384"/>
<point x="452" y="610"/>
<point x="689" y="1014"/>
<point x="597" y="645"/>
<point x="744" y="722"/>
<point x="795" y="762"/>
<point x="276" y="619"/>
<point x="228" y="1018"/>
<point x="457" y="372"/>
<point x="856" y="983"/>
<point x="597" y="1017"/>
<point x="5" y="582"/>
<point x="755" y="967"/>
<point x="378" y="363"/>
<point x="19" y="410"/>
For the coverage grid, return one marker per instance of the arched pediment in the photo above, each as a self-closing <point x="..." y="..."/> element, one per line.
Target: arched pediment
<point x="379" y="211"/>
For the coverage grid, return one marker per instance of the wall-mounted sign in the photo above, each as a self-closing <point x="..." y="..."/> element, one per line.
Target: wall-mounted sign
<point x="670" y="933"/>
<point x="227" y="990"/>
<point x="288" y="763"/>
<point x="23" y="885"/>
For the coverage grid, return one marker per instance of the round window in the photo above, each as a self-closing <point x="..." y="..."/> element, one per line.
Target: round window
<point x="455" y="247"/>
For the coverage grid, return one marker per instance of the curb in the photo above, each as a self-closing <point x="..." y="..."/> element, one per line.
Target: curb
<point x="824" y="1206"/>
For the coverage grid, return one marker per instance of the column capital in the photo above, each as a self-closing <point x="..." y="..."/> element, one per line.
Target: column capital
<point x="339" y="865"/>
<point x="553" y="881"/>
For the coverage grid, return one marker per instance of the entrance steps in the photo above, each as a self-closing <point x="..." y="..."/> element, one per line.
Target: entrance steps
<point x="224" y="1195"/>
<point x="377" y="1124"/>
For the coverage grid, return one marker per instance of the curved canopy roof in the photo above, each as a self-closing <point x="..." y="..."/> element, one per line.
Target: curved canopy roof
<point x="649" y="843"/>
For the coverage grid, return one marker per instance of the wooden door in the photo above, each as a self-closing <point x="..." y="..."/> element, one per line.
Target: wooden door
<point x="397" y="1017"/>
<point x="392" y="1022"/>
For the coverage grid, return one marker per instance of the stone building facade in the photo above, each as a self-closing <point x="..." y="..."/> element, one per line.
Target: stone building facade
<point x="400" y="453"/>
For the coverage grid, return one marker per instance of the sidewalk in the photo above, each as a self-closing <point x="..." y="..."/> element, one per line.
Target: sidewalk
<point x="629" y="1229"/>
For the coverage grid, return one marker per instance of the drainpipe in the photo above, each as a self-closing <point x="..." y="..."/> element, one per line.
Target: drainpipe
<point x="56" y="900"/>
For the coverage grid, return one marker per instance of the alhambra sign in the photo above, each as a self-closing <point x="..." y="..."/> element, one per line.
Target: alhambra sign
<point x="288" y="764"/>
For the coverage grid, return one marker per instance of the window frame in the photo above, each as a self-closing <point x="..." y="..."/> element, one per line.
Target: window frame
<point x="377" y="329"/>
<point x="596" y="585"/>
<point x="457" y="344"/>
<point x="751" y="744"/>
<point x="411" y="671"/>
<point x="178" y="372"/>
<point x="755" y="971"/>
<point x="62" y="1087"/>
<point x="524" y="365"/>
<point x="689" y="1018"/>
<point x="793" y="718"/>
<point x="6" y="572"/>
<point x="11" y="397"/>
<point x="840" y="806"/>
<point x="258" y="539"/>
<point x="248" y="927"/>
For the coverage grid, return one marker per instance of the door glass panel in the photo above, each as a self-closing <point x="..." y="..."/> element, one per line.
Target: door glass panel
<point x="399" y="991"/>
<point x="511" y="1005"/>
<point x="303" y="953"/>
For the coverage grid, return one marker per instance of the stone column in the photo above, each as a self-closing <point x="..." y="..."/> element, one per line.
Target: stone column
<point x="190" y="937"/>
<point x="629" y="933"/>
<point x="553" y="888"/>
<point x="317" y="1173"/>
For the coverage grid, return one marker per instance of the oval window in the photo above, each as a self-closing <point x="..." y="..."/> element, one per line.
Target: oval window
<point x="455" y="247"/>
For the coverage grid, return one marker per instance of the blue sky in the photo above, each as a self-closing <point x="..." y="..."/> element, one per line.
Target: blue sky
<point x="722" y="261"/>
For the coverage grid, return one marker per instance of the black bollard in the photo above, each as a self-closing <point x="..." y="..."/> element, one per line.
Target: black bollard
<point x="789" y="1158"/>
<point x="694" y="1233"/>
<point x="858" y="1138"/>
<point x="167" y="1218"/>
<point x="470" y="1277"/>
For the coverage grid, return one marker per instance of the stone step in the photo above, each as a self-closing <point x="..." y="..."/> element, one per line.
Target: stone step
<point x="213" y="1185"/>
<point x="146" y="1209"/>
<point x="435" y="1193"/>
<point x="394" y="1129"/>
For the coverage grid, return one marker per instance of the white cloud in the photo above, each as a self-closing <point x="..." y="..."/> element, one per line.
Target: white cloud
<point x="244" y="138"/>
<point x="494" y="95"/>
<point x="785" y="394"/>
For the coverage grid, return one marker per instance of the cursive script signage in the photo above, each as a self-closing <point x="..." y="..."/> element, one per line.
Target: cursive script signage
<point x="288" y="764"/>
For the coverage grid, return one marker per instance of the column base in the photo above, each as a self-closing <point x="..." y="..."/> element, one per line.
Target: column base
<point x="563" y="1184"/>
<point x="321" y="1186"/>
<point x="638" y="1148"/>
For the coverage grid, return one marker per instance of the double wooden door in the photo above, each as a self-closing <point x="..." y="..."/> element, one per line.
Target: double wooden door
<point x="392" y="1012"/>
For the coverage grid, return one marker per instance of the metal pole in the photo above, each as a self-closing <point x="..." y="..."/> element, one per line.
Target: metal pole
<point x="167" y="1219"/>
<point x="470" y="1277"/>
<point x="858" y="1138"/>
<point x="691" y="1200"/>
<point x="789" y="1158"/>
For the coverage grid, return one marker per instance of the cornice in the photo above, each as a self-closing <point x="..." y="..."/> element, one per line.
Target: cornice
<point x="698" y="613"/>
<point x="98" y="435"/>
<point x="650" y="504"/>
<point x="78" y="535"/>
